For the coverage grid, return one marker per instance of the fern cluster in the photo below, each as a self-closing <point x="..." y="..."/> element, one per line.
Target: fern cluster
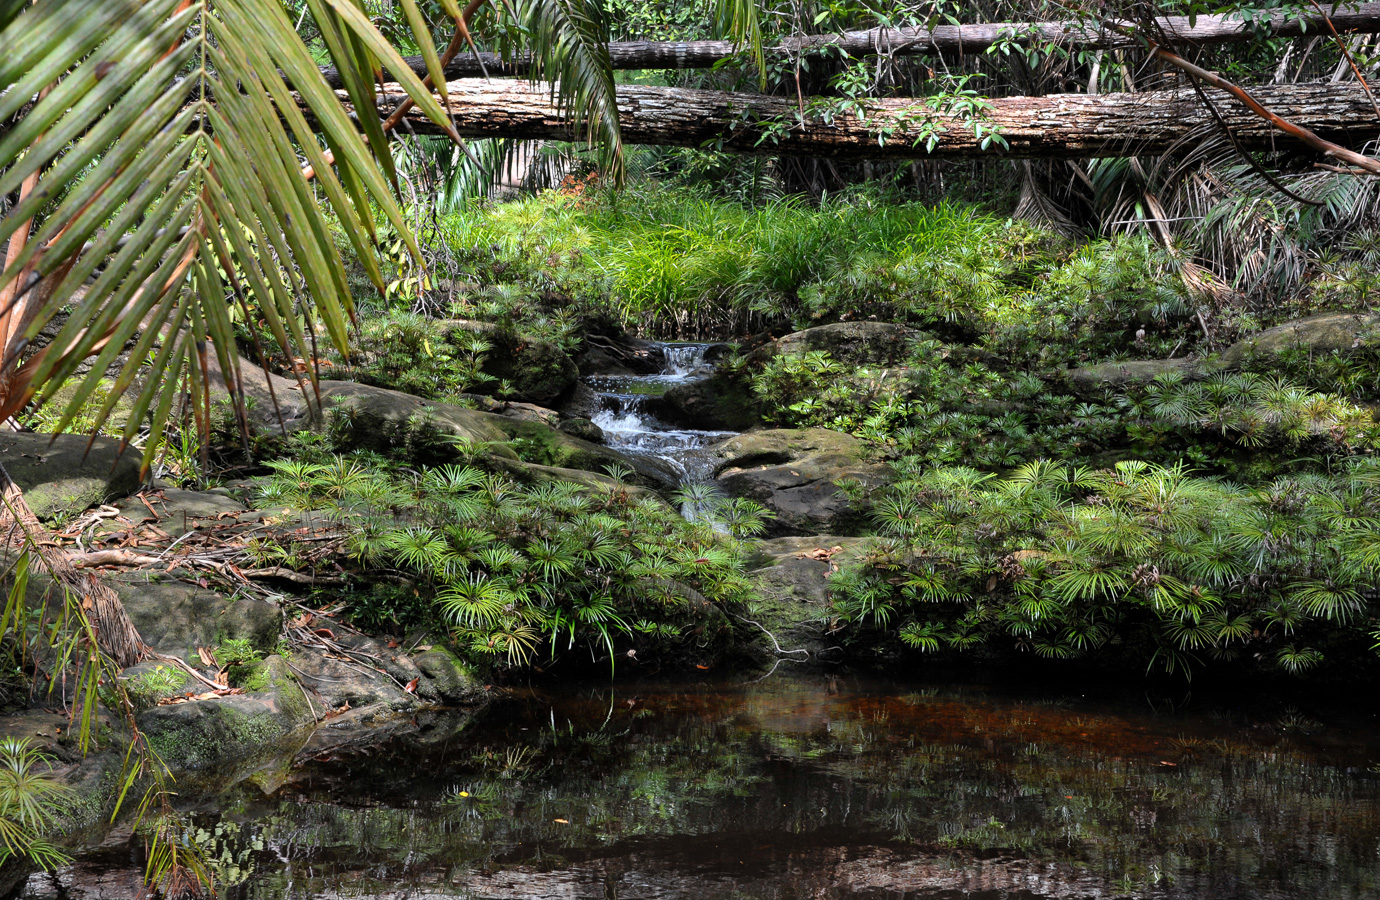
<point x="406" y="352"/>
<point x="1145" y="561"/>
<point x="511" y="570"/>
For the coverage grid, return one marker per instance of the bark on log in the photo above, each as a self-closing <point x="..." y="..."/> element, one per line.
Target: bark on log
<point x="1362" y="18"/>
<point x="1058" y="125"/>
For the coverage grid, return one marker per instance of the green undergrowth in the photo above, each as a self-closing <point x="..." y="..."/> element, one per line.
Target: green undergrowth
<point x="677" y="262"/>
<point x="1137" y="563"/>
<point x="516" y="573"/>
<point x="942" y="406"/>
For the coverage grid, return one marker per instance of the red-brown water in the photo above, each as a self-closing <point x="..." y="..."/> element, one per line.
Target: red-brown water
<point x="819" y="787"/>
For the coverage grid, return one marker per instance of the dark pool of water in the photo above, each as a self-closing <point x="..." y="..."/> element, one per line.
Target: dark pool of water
<point x="819" y="787"/>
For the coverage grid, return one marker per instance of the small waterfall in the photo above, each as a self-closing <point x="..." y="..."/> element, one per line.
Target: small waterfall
<point x="684" y="359"/>
<point x="629" y="428"/>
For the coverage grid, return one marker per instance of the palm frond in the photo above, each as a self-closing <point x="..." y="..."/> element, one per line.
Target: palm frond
<point x="161" y="180"/>
<point x="567" y="40"/>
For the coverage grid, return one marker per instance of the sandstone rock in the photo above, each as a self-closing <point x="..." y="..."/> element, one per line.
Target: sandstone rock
<point x="793" y="472"/>
<point x="1327" y="333"/>
<point x="583" y="429"/>
<point x="60" y="477"/>
<point x="858" y="343"/>
<point x="1096" y="379"/>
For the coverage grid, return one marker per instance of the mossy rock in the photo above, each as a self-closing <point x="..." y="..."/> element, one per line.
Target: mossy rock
<point x="1095" y="380"/>
<point x="225" y="740"/>
<point x="545" y="446"/>
<point x="582" y="428"/>
<point x="532" y="473"/>
<point x="537" y="370"/>
<point x="446" y="677"/>
<point x="176" y="618"/>
<point x="858" y="343"/>
<point x="383" y="420"/>
<point x="60" y="477"/>
<point x="791" y="578"/>
<point x="1326" y="333"/>
<point x="722" y="402"/>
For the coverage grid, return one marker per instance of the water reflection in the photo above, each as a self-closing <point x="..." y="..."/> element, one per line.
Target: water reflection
<point x="824" y="788"/>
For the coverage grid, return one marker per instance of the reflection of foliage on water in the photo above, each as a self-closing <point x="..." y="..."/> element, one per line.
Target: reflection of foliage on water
<point x="1139" y="805"/>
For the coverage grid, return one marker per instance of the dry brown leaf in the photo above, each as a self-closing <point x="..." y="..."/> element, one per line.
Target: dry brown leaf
<point x="207" y="657"/>
<point x="411" y="686"/>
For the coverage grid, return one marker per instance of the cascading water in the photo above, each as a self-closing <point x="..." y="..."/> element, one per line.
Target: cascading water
<point x="630" y="428"/>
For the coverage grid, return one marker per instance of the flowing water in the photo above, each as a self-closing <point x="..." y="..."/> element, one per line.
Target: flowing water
<point x="631" y="428"/>
<point x="827" y="787"/>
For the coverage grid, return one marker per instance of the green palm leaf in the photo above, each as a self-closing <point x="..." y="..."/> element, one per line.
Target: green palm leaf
<point x="163" y="179"/>
<point x="568" y="43"/>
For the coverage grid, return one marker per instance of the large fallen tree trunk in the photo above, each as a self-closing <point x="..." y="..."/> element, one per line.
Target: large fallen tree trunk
<point x="1059" y="125"/>
<point x="1178" y="31"/>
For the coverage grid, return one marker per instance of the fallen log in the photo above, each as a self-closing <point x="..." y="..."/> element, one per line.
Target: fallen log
<point x="956" y="40"/>
<point x="1058" y="125"/>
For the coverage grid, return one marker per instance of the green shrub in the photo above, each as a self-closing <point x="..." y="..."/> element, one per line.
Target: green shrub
<point x="511" y="569"/>
<point x="1164" y="567"/>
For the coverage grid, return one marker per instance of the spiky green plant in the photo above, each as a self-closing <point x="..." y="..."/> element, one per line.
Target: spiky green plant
<point x="1176" y="569"/>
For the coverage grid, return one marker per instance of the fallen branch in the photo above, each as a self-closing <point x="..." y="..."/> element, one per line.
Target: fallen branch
<point x="1058" y="125"/>
<point x="957" y="40"/>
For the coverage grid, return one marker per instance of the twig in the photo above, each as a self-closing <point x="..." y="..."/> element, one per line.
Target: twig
<point x="771" y="636"/>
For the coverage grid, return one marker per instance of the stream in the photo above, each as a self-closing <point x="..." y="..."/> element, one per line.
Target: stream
<point x="821" y="786"/>
<point x="630" y="428"/>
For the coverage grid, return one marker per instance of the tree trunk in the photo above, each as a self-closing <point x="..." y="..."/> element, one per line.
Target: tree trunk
<point x="1059" y="126"/>
<point x="115" y="633"/>
<point x="956" y="40"/>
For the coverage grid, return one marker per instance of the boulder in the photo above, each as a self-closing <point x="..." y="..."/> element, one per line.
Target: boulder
<point x="220" y="742"/>
<point x="175" y="618"/>
<point x="858" y="343"/>
<point x="1095" y="380"/>
<point x="532" y="473"/>
<point x="792" y="472"/>
<point x="537" y="443"/>
<point x="791" y="576"/>
<point x="1326" y="333"/>
<point x="583" y="403"/>
<point x="584" y="429"/>
<point x="60" y="477"/>
<point x="798" y="568"/>
<point x="619" y="354"/>
<point x="174" y="511"/>
<point x="721" y="402"/>
<point x="526" y="412"/>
